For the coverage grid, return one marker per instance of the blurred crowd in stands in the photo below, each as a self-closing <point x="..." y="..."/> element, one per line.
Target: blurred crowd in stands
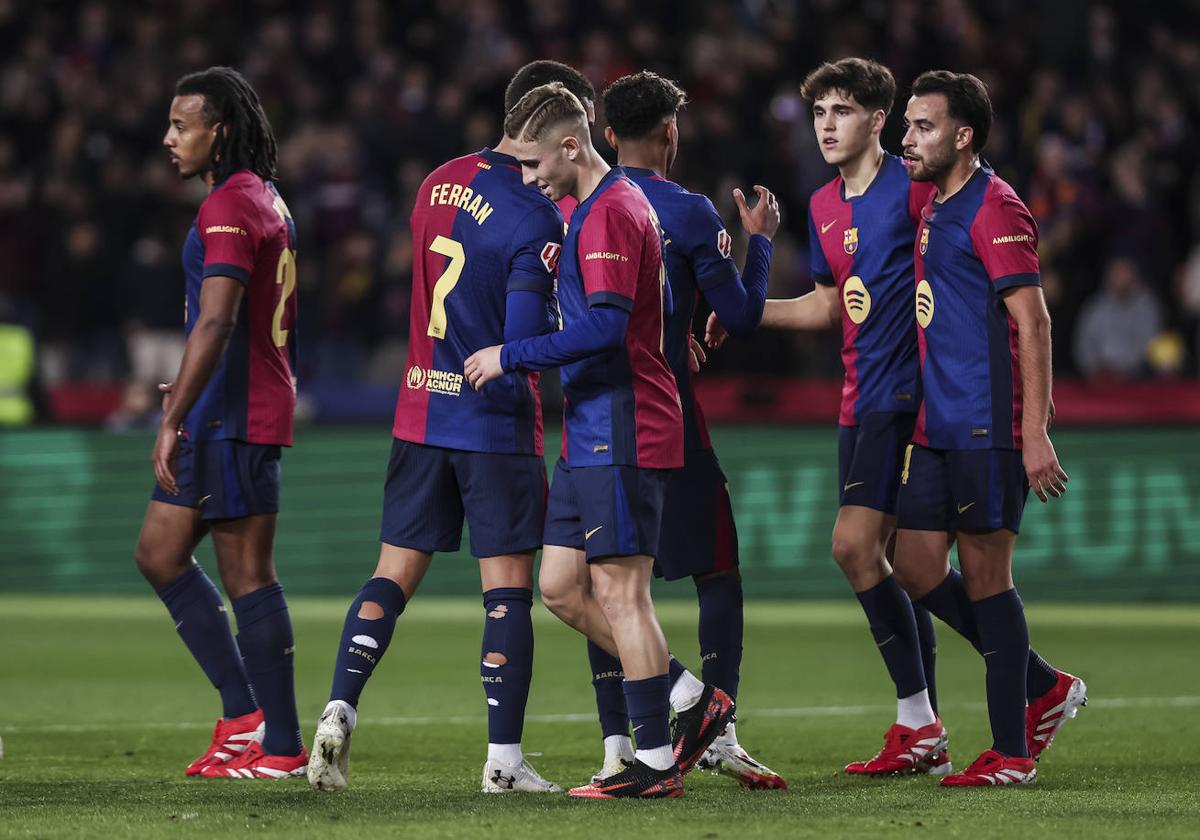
<point x="1097" y="110"/>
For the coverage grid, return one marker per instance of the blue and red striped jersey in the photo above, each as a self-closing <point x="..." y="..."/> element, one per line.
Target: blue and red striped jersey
<point x="696" y="252"/>
<point x="970" y="248"/>
<point x="478" y="233"/>
<point x="621" y="407"/>
<point x="863" y="245"/>
<point x="244" y="231"/>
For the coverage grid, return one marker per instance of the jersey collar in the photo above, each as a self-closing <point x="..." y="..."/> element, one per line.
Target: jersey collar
<point x="498" y="157"/>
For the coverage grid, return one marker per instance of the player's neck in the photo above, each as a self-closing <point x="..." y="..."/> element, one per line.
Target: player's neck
<point x="956" y="178"/>
<point x="643" y="156"/>
<point x="505" y="147"/>
<point x="592" y="169"/>
<point x="208" y="179"/>
<point x="859" y="173"/>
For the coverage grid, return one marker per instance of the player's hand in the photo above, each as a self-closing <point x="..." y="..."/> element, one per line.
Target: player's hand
<point x="165" y="388"/>
<point x="483" y="366"/>
<point x="1046" y="477"/>
<point x="696" y="356"/>
<point x="764" y="218"/>
<point x="165" y="458"/>
<point x="714" y="333"/>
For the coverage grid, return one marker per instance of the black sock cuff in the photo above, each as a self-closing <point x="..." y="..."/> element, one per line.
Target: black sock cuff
<point x="385" y="592"/>
<point x="259" y="604"/>
<point x="1000" y="606"/>
<point x="507" y="594"/>
<point x="181" y="592"/>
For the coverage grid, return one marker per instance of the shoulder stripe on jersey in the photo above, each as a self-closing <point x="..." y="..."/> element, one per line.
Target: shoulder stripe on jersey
<point x="227" y="270"/>
<point x="610" y="299"/>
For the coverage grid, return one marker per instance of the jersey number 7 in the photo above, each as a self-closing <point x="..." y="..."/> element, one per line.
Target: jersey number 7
<point x="446" y="283"/>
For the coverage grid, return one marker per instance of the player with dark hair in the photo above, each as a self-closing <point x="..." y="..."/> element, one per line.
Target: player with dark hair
<point x="225" y="417"/>
<point x="982" y="432"/>
<point x="622" y="436"/>
<point x="543" y="72"/>
<point x="699" y="539"/>
<point x="487" y="247"/>
<point x="861" y="226"/>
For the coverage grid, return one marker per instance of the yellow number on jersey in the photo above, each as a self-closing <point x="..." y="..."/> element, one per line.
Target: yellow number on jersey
<point x="285" y="275"/>
<point x="446" y="283"/>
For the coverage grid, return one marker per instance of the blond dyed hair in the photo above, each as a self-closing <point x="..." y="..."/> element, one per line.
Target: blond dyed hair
<point x="541" y="110"/>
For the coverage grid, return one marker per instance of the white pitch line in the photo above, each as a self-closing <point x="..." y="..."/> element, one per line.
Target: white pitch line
<point x="1186" y="701"/>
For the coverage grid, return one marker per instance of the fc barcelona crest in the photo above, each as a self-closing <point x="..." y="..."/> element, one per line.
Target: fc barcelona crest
<point x="850" y="240"/>
<point x="924" y="240"/>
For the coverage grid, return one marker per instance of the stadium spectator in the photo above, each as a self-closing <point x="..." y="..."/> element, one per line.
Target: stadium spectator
<point x="1117" y="324"/>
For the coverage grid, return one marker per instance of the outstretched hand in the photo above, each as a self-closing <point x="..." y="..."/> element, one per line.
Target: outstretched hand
<point x="763" y="218"/>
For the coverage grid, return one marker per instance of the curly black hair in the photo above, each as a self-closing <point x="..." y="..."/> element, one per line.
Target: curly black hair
<point x="246" y="141"/>
<point x="634" y="105"/>
<point x="543" y="72"/>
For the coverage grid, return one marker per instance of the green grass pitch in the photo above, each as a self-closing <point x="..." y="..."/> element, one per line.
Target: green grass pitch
<point x="102" y="708"/>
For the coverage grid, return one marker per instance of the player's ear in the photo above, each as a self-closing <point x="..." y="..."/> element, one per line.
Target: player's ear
<point x="611" y="137"/>
<point x="877" y="121"/>
<point x="963" y="137"/>
<point x="570" y="145"/>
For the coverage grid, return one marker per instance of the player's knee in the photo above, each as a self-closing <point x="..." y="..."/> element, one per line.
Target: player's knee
<point x="155" y="566"/>
<point x="563" y="602"/>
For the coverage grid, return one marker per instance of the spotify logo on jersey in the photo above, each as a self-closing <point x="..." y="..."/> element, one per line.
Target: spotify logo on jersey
<point x="924" y="304"/>
<point x="856" y="299"/>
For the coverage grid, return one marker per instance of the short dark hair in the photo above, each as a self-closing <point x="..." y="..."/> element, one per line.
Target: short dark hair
<point x="634" y="105"/>
<point x="967" y="100"/>
<point x="246" y="141"/>
<point x="868" y="82"/>
<point x="543" y="72"/>
<point x="542" y="109"/>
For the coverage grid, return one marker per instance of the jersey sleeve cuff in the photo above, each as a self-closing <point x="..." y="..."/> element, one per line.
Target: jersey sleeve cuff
<point x="1010" y="281"/>
<point x="227" y="270"/>
<point x="610" y="299"/>
<point x="823" y="279"/>
<point x="529" y="283"/>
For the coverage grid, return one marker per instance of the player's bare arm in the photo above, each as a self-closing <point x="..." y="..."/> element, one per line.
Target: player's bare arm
<point x="1028" y="308"/>
<point x="220" y="298"/>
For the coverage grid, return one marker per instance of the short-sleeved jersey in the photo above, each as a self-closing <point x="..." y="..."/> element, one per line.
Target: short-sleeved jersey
<point x="622" y="406"/>
<point x="969" y="249"/>
<point x="863" y="245"/>
<point x="478" y="233"/>
<point x="696" y="252"/>
<point x="245" y="231"/>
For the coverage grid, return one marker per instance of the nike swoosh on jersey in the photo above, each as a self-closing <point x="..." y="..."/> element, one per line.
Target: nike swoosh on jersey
<point x="205" y="499"/>
<point x="826" y="227"/>
<point x="587" y="535"/>
<point x="852" y="484"/>
<point x="966" y="507"/>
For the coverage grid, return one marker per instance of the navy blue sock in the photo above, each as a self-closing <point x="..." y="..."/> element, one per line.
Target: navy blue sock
<point x="890" y="615"/>
<point x="927" y="639"/>
<point x="268" y="649"/>
<point x="200" y="618"/>
<point x="506" y="664"/>
<point x="721" y="631"/>
<point x="607" y="679"/>
<point x="1005" y="637"/>
<point x="649" y="704"/>
<point x="675" y="670"/>
<point x="364" y="640"/>
<point x="949" y="602"/>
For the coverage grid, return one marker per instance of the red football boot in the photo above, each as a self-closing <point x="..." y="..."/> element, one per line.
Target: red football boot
<point x="904" y="750"/>
<point x="992" y="768"/>
<point x="1046" y="715"/>
<point x="255" y="764"/>
<point x="230" y="739"/>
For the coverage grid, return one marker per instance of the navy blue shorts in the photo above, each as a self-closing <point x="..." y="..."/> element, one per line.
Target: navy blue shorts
<point x="962" y="489"/>
<point x="869" y="456"/>
<point x="225" y="479"/>
<point x="607" y="511"/>
<point x="698" y="534"/>
<point x="429" y="490"/>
